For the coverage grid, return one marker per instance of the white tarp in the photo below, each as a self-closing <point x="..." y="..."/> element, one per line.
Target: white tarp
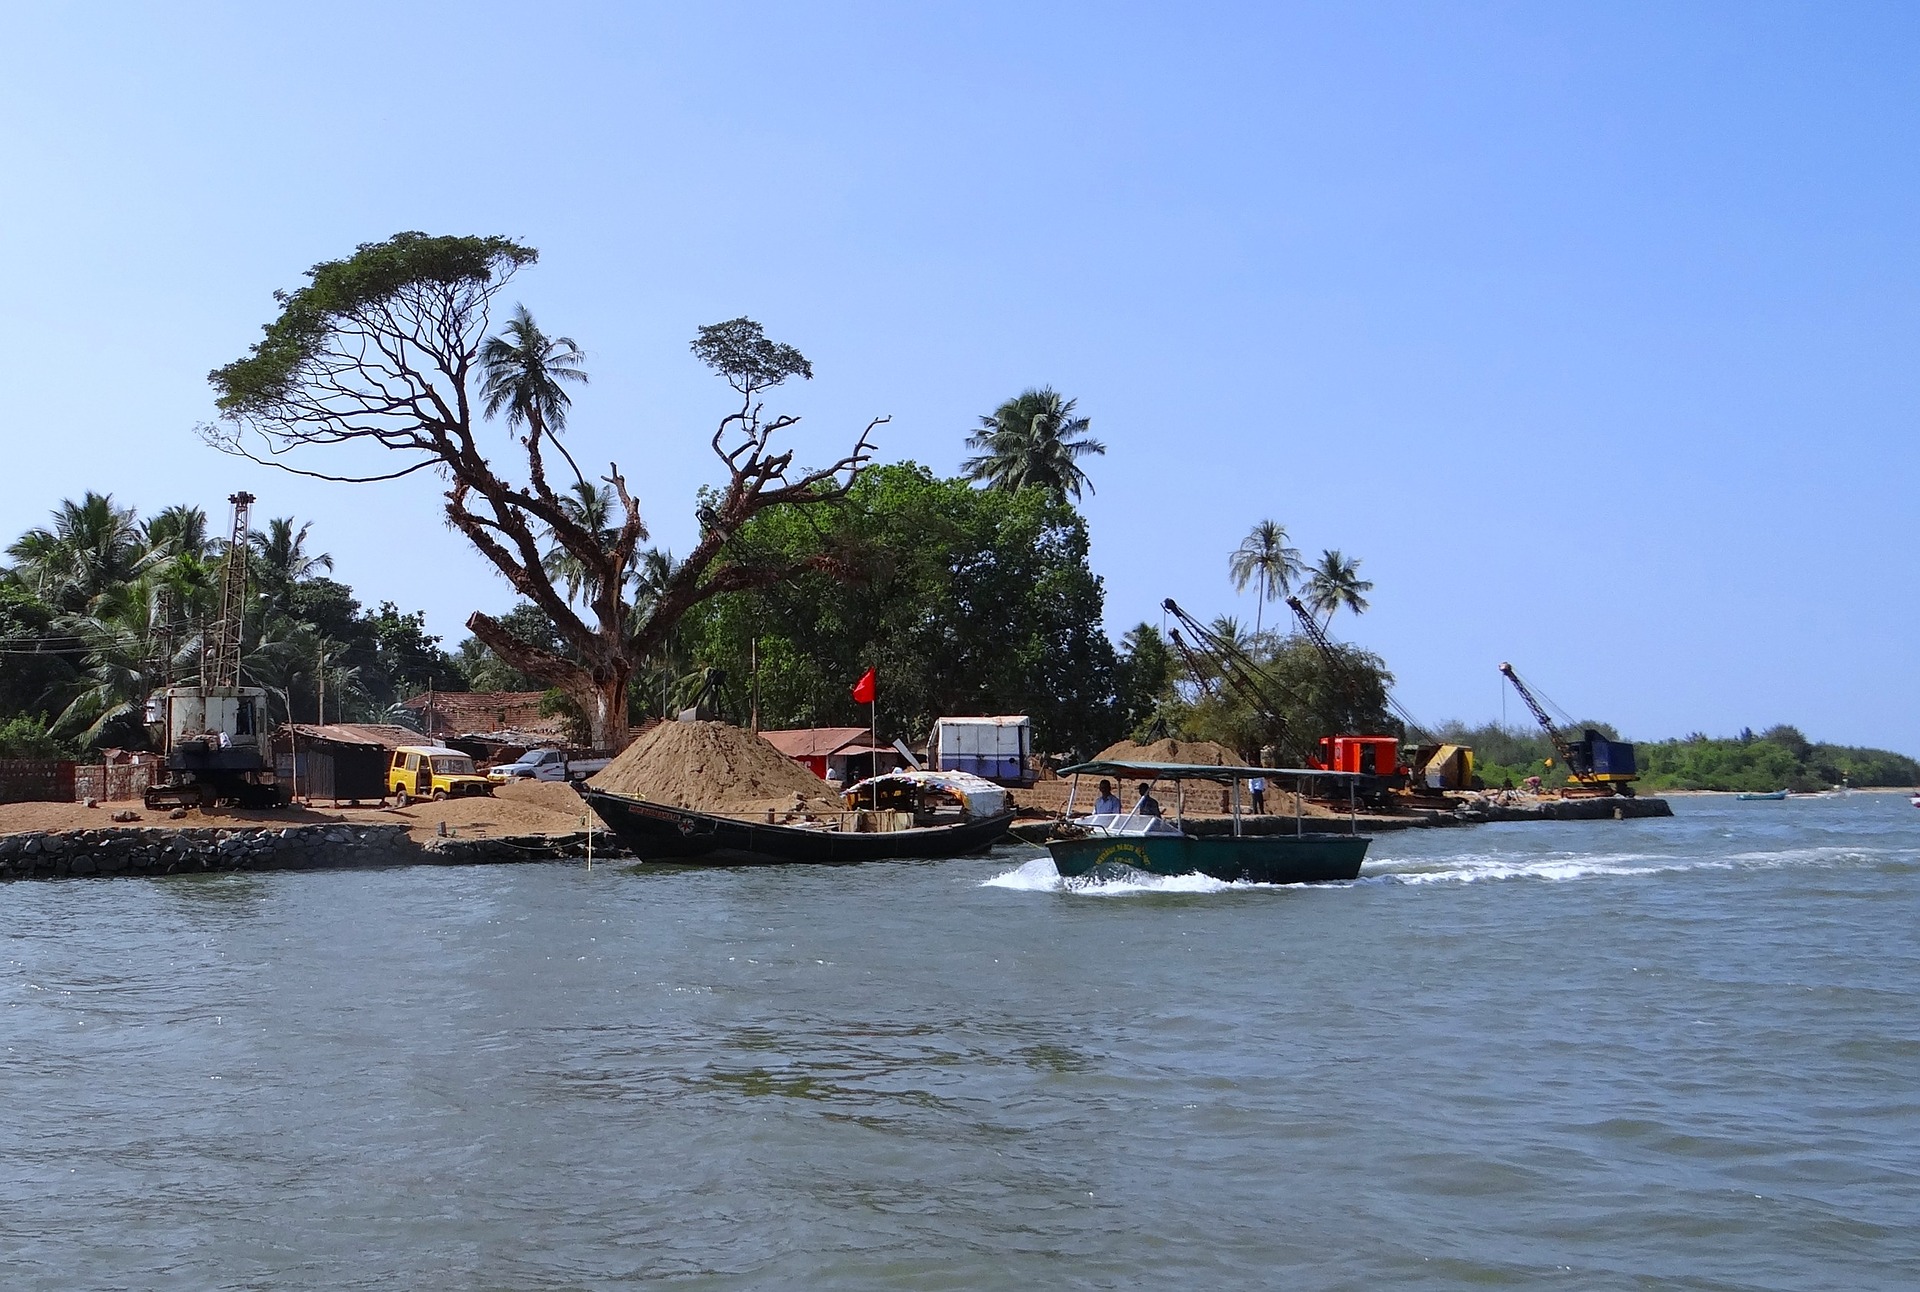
<point x="982" y="797"/>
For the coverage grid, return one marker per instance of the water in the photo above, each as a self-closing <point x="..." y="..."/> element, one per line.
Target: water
<point x="1598" y="1055"/>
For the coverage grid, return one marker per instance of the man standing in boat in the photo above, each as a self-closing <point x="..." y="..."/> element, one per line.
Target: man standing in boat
<point x="1148" y="805"/>
<point x="1259" y="787"/>
<point x="1106" y="802"/>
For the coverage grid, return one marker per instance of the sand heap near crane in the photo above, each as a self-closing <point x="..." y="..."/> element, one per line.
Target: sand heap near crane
<point x="714" y="767"/>
<point x="1171" y="751"/>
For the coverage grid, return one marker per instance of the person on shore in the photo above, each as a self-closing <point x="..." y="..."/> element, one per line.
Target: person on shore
<point x="1106" y="802"/>
<point x="1259" y="787"/>
<point x="1148" y="804"/>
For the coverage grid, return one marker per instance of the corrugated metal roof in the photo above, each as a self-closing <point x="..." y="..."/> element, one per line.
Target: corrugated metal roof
<point x="369" y="735"/>
<point x="815" y="742"/>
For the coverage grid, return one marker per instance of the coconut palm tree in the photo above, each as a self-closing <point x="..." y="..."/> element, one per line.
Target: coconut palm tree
<point x="91" y="547"/>
<point x="175" y="530"/>
<point x="125" y="655"/>
<point x="522" y="371"/>
<point x="591" y="508"/>
<point x="282" y="552"/>
<point x="1033" y="440"/>
<point x="1265" y="554"/>
<point x="1335" y="583"/>
<point x="281" y="560"/>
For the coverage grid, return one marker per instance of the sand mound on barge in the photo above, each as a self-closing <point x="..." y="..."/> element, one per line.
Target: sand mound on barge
<point x="1171" y="751"/>
<point x="714" y="767"/>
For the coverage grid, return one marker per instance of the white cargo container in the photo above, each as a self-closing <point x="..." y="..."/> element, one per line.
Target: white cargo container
<point x="996" y="749"/>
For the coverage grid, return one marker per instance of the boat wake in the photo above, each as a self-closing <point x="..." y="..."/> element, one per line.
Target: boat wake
<point x="1039" y="876"/>
<point x="1469" y="868"/>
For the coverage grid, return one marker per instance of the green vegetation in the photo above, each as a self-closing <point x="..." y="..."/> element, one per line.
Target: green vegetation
<point x="965" y="600"/>
<point x="1778" y="758"/>
<point x="99" y="608"/>
<point x="1033" y="441"/>
<point x="380" y="351"/>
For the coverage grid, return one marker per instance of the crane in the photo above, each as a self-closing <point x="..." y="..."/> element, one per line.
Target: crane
<point x="1318" y="636"/>
<point x="1234" y="666"/>
<point x="1602" y="765"/>
<point x="211" y="732"/>
<point x="1436" y="764"/>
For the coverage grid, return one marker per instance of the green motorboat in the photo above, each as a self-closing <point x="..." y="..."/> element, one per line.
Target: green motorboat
<point x="1084" y="845"/>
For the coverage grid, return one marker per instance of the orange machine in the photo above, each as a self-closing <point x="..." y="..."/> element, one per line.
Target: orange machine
<point x="1367" y="755"/>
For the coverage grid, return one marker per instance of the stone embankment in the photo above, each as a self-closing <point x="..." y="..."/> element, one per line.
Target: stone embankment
<point x="64" y="854"/>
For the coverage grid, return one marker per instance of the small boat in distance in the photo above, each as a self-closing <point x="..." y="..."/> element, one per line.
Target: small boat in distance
<point x="1081" y="846"/>
<point x="1771" y="797"/>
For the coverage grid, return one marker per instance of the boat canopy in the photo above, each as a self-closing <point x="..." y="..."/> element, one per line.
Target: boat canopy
<point x="981" y="796"/>
<point x="1195" y="771"/>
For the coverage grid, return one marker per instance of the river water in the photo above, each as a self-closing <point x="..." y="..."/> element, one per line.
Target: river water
<point x="1594" y="1055"/>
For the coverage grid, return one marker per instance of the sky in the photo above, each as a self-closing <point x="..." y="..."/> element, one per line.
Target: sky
<point x="1590" y="328"/>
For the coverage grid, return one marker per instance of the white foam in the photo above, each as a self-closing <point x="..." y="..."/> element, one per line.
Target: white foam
<point x="1563" y="866"/>
<point x="1039" y="876"/>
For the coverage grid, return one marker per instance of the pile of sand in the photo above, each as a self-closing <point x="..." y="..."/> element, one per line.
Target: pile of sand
<point x="714" y="767"/>
<point x="1171" y="751"/>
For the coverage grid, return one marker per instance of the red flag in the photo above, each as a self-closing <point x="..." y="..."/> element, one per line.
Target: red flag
<point x="863" y="689"/>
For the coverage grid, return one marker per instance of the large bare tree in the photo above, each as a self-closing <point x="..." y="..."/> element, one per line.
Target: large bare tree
<point x="388" y="350"/>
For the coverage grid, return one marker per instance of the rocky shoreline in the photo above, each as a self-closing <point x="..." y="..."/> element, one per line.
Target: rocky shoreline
<point x="146" y="851"/>
<point x="62" y="854"/>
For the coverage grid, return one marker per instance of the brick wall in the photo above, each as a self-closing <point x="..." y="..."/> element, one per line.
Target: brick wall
<point x="107" y="781"/>
<point x="36" y="780"/>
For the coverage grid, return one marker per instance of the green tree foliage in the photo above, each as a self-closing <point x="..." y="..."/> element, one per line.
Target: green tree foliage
<point x="378" y="355"/>
<point x="966" y="601"/>
<point x="1033" y="441"/>
<point x="22" y="736"/>
<point x="1780" y="758"/>
<point x="1313" y="698"/>
<point x="1145" y="677"/>
<point x="1265" y="557"/>
<point x="100" y="609"/>
<point x="1334" y="584"/>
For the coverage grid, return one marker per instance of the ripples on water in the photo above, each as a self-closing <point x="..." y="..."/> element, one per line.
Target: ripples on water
<point x="1608" y="1054"/>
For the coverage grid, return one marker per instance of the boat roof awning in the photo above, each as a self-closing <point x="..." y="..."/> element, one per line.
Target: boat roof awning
<point x="1195" y="771"/>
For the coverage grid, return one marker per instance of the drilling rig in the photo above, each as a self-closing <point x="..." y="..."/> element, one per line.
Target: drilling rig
<point x="211" y="732"/>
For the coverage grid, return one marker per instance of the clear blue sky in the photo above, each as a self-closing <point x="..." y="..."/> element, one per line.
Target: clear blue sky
<point x="1592" y="329"/>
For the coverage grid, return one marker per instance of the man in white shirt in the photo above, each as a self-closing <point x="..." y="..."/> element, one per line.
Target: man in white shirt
<point x="1106" y="801"/>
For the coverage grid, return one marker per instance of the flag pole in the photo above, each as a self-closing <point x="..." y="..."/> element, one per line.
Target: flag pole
<point x="873" y="715"/>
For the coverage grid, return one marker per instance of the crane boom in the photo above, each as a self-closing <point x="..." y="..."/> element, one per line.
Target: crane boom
<point x="1234" y="666"/>
<point x="223" y="654"/>
<point x="1318" y="636"/>
<point x="1560" y="746"/>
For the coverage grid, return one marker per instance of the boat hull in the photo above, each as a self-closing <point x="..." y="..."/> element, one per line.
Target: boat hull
<point x="1264" y="859"/>
<point x="656" y="832"/>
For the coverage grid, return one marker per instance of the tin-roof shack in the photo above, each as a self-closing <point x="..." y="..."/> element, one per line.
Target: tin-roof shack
<point x="842" y="755"/>
<point x="338" y="760"/>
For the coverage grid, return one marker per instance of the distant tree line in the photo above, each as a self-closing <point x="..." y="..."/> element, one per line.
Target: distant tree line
<point x="1778" y="758"/>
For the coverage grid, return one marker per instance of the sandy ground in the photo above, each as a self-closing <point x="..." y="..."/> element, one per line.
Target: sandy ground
<point x="513" y="810"/>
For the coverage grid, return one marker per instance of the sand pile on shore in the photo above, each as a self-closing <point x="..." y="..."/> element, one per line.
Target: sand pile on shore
<point x="714" y="767"/>
<point x="1170" y="751"/>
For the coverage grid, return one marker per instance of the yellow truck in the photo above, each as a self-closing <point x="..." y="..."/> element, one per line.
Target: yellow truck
<point x="433" y="772"/>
